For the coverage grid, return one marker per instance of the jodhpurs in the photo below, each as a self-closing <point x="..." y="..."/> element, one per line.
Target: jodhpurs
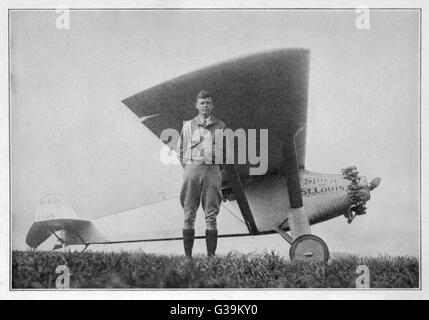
<point x="201" y="183"/>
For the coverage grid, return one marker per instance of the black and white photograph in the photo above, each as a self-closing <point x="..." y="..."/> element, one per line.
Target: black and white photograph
<point x="214" y="148"/>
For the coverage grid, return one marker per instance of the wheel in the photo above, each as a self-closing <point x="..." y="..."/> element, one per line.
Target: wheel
<point x="309" y="247"/>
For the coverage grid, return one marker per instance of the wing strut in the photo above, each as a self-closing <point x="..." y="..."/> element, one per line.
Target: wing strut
<point x="298" y="219"/>
<point x="291" y="172"/>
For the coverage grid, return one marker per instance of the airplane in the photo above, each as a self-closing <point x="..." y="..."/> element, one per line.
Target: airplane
<point x="265" y="90"/>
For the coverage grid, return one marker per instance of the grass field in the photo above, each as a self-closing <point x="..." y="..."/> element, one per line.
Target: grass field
<point x="36" y="269"/>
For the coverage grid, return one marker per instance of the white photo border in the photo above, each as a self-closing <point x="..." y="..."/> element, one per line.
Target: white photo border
<point x="189" y="294"/>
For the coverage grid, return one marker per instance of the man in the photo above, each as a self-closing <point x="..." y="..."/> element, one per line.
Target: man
<point x="201" y="153"/>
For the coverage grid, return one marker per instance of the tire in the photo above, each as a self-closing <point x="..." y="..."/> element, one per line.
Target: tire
<point x="309" y="247"/>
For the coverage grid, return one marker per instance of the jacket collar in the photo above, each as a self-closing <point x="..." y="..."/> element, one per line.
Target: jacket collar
<point x="210" y="121"/>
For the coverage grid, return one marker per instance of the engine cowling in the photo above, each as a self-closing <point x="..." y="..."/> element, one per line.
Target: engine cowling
<point x="327" y="196"/>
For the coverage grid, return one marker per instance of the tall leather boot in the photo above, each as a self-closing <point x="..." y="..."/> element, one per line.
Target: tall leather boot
<point x="188" y="241"/>
<point x="211" y="242"/>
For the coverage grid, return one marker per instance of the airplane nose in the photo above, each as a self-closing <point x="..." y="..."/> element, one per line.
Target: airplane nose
<point x="374" y="183"/>
<point x="358" y="191"/>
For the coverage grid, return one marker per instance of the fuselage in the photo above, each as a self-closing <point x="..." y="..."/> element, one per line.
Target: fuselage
<point x="325" y="196"/>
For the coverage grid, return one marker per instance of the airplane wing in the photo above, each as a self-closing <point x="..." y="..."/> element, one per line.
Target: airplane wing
<point x="262" y="91"/>
<point x="266" y="90"/>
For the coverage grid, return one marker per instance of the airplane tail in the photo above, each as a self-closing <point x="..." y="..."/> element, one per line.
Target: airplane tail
<point x="55" y="216"/>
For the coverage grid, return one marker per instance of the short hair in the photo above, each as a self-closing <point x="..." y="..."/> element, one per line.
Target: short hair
<point x="204" y="94"/>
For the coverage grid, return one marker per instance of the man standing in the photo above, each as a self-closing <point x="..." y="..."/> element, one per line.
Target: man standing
<point x="201" y="153"/>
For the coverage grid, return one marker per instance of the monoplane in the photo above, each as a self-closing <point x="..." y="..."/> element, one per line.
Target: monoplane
<point x="266" y="90"/>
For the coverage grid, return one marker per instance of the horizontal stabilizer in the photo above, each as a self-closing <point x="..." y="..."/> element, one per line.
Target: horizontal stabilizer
<point x="52" y="214"/>
<point x="42" y="230"/>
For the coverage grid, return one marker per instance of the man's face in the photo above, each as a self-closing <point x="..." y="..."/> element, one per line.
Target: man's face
<point x="204" y="106"/>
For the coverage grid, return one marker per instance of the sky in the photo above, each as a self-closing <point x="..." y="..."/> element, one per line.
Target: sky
<point x="70" y="133"/>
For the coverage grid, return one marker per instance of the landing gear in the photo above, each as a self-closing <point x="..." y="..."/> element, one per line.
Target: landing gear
<point x="308" y="247"/>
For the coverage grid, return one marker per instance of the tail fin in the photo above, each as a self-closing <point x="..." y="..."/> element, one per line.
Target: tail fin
<point x="52" y="214"/>
<point x="54" y="206"/>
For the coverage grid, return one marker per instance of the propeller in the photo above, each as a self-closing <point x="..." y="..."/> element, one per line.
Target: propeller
<point x="374" y="183"/>
<point x="357" y="192"/>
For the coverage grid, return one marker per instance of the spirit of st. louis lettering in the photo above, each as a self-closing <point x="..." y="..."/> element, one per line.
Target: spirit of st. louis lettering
<point x="319" y="180"/>
<point x="315" y="190"/>
<point x="313" y="185"/>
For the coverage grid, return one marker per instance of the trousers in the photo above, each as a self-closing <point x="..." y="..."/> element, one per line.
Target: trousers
<point x="201" y="184"/>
